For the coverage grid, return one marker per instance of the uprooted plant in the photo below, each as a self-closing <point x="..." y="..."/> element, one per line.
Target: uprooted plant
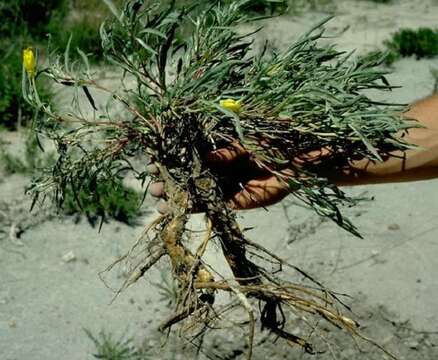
<point x="199" y="87"/>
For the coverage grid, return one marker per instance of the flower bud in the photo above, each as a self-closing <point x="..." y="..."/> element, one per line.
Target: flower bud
<point x="231" y="104"/>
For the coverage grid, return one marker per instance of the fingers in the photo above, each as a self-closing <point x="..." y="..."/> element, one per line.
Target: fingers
<point x="156" y="189"/>
<point x="227" y="155"/>
<point x="261" y="192"/>
<point x="313" y="157"/>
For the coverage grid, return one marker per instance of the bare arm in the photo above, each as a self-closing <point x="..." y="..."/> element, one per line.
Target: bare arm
<point x="418" y="164"/>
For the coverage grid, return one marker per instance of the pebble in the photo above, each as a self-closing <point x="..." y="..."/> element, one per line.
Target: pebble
<point x="394" y="227"/>
<point x="12" y="324"/>
<point x="413" y="344"/>
<point x="69" y="257"/>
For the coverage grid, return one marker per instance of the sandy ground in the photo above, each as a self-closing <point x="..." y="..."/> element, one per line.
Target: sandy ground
<point x="46" y="302"/>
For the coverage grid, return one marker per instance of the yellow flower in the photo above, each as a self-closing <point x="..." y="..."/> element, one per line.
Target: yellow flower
<point x="231" y="104"/>
<point x="29" y="62"/>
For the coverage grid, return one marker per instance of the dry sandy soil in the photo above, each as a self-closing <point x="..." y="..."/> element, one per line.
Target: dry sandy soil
<point x="46" y="302"/>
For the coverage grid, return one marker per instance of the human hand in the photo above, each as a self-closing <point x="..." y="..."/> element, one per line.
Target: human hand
<point x="245" y="183"/>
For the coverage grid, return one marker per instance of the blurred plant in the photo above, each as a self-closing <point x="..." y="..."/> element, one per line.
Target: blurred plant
<point x="110" y="199"/>
<point x="82" y="25"/>
<point x="30" y="162"/>
<point x="84" y="35"/>
<point x="109" y="348"/>
<point x="167" y="288"/>
<point x="29" y="16"/>
<point x="406" y="42"/>
<point x="434" y="72"/>
<point x="12" y="164"/>
<point x="422" y="43"/>
<point x="102" y="200"/>
<point x="263" y="6"/>
<point x="292" y="103"/>
<point x="60" y="19"/>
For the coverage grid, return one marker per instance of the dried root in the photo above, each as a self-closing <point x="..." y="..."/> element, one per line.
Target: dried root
<point x="262" y="294"/>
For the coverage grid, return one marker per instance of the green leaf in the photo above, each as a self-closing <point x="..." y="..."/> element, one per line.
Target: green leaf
<point x="368" y="145"/>
<point x="154" y="32"/>
<point x="146" y="46"/>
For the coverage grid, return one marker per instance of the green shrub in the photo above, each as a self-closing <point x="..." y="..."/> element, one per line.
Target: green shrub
<point x="108" y="348"/>
<point x="12" y="105"/>
<point x="59" y="18"/>
<point x="104" y="199"/>
<point x="406" y="42"/>
<point x="422" y="42"/>
<point x="283" y="106"/>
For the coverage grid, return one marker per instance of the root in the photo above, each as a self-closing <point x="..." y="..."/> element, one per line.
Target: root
<point x="182" y="260"/>
<point x="233" y="248"/>
<point x="139" y="272"/>
<point x="249" y="309"/>
<point x="177" y="317"/>
<point x="250" y="282"/>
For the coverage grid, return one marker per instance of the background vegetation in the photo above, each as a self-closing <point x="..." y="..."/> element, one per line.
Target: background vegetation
<point x="35" y="23"/>
<point x="107" y="347"/>
<point x="422" y="43"/>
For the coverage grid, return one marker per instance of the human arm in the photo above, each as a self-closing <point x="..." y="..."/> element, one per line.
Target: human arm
<point x="411" y="165"/>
